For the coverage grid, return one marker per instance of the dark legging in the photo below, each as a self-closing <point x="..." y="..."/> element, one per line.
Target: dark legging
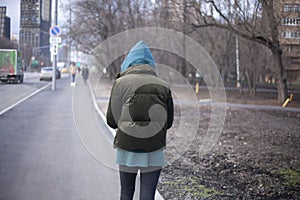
<point x="73" y="78"/>
<point x="148" y="180"/>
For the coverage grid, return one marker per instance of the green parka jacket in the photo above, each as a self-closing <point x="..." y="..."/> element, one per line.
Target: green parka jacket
<point x="141" y="108"/>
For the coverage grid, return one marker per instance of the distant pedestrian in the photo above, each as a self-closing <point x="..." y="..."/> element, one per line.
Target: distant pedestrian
<point x="73" y="73"/>
<point x="141" y="108"/>
<point x="85" y="73"/>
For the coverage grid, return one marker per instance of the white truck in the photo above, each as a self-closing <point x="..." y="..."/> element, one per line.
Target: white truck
<point x="11" y="66"/>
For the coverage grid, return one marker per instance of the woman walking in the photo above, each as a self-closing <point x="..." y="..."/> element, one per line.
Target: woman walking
<point x="141" y="109"/>
<point x="72" y="70"/>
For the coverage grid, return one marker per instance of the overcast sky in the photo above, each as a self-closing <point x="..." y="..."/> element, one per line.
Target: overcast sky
<point x="13" y="11"/>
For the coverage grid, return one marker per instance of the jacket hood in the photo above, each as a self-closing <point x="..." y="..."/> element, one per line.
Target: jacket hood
<point x="139" y="54"/>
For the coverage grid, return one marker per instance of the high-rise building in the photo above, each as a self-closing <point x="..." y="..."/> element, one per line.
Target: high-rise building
<point x="4" y="23"/>
<point x="2" y="20"/>
<point x="7" y="27"/>
<point x="289" y="10"/>
<point x="35" y="22"/>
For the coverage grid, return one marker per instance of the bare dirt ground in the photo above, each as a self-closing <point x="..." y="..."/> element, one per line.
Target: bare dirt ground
<point x="257" y="155"/>
<point x="251" y="160"/>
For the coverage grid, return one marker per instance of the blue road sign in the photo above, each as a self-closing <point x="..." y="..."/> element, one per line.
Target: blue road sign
<point x="55" y="31"/>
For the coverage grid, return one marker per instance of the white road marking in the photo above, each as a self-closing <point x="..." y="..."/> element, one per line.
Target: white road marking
<point x="24" y="99"/>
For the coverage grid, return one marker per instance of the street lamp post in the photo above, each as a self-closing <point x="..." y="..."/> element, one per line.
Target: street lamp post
<point x="69" y="36"/>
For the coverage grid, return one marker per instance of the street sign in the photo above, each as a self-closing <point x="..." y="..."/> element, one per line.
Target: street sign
<point x="55" y="40"/>
<point x="54" y="49"/>
<point x="55" y="30"/>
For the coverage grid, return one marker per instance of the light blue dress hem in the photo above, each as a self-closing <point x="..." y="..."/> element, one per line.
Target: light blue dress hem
<point x="132" y="159"/>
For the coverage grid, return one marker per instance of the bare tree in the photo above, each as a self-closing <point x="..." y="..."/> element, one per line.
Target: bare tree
<point x="255" y="20"/>
<point x="94" y="21"/>
<point x="253" y="58"/>
<point x="219" y="44"/>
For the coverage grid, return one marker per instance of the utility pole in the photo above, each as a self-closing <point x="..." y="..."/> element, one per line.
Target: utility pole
<point x="238" y="81"/>
<point x="184" y="67"/>
<point x="69" y="37"/>
<point x="54" y="56"/>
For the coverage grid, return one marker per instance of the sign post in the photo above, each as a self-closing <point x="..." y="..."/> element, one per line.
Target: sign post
<point x="54" y="31"/>
<point x="54" y="40"/>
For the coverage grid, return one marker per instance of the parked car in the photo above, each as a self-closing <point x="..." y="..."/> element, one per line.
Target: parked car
<point x="64" y="70"/>
<point x="46" y="73"/>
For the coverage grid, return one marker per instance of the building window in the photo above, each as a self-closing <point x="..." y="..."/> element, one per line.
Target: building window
<point x="291" y="34"/>
<point x="36" y="40"/>
<point x="291" y="8"/>
<point x="293" y="61"/>
<point x="291" y="21"/>
<point x="292" y="48"/>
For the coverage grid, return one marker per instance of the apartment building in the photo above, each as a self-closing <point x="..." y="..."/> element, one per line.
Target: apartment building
<point x="35" y="22"/>
<point x="4" y="23"/>
<point x="289" y="12"/>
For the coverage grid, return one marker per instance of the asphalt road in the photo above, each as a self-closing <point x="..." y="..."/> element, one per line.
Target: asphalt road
<point x="12" y="93"/>
<point x="52" y="147"/>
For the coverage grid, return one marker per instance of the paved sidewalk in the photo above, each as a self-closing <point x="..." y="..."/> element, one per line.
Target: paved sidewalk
<point x="93" y="134"/>
<point x="100" y="104"/>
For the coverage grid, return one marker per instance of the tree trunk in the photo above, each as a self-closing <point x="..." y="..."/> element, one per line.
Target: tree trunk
<point x="280" y="77"/>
